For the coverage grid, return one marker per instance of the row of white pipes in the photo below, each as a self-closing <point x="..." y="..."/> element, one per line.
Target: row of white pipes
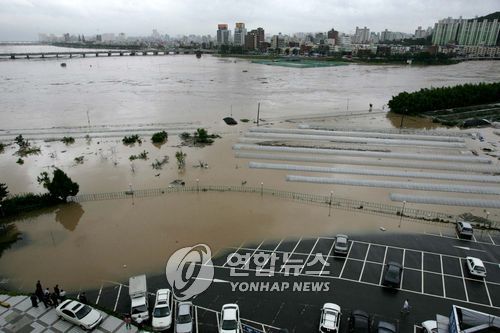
<point x="449" y="201"/>
<point x="376" y="172"/>
<point x="359" y="140"/>
<point x="361" y="153"/>
<point x="473" y="168"/>
<point x="396" y="184"/>
<point x="357" y="134"/>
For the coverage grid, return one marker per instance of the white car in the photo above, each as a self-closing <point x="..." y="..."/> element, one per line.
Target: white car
<point x="330" y="318"/>
<point x="430" y="326"/>
<point x="341" y="244"/>
<point x="162" y="312"/>
<point x="476" y="266"/>
<point x="79" y="314"/>
<point x="230" y="319"/>
<point x="184" y="318"/>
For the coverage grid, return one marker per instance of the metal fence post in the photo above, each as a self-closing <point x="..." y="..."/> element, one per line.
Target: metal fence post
<point x="330" y="205"/>
<point x="197" y="185"/>
<point x="402" y="213"/>
<point x="261" y="189"/>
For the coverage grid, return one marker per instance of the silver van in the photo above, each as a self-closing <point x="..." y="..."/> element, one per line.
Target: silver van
<point x="464" y="229"/>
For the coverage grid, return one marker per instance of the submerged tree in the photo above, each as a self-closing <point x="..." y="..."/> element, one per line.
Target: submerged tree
<point x="60" y="186"/>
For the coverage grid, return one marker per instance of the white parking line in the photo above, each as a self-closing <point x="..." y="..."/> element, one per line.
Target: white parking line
<point x="232" y="254"/>
<point x="422" y="268"/>
<point x="196" y="318"/>
<point x="426" y="252"/>
<point x="117" y="297"/>
<point x="383" y="264"/>
<point x="328" y="256"/>
<point x="291" y="253"/>
<point x="463" y="279"/>
<point x="346" y="258"/>
<point x="491" y="238"/>
<point x="378" y="285"/>
<point x="442" y="274"/>
<point x="246" y="262"/>
<point x="487" y="292"/>
<point x="307" y="259"/>
<point x="99" y="295"/>
<point x="364" y="262"/>
<point x="274" y="251"/>
<point x="403" y="272"/>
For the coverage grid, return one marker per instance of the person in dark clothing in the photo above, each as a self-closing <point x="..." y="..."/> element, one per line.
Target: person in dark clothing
<point x="34" y="301"/>
<point x="54" y="298"/>
<point x="83" y="298"/>
<point x="56" y="290"/>
<point x="39" y="287"/>
<point x="39" y="291"/>
<point x="45" y="301"/>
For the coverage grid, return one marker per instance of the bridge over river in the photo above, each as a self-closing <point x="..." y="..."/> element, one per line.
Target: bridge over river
<point x="99" y="53"/>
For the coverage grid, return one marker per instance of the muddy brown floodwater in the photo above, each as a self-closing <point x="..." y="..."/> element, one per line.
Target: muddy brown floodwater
<point x="79" y="245"/>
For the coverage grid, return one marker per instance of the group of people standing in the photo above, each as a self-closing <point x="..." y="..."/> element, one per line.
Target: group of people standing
<point x="46" y="297"/>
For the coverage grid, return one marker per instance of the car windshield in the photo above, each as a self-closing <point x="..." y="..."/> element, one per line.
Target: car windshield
<point x="83" y="311"/>
<point x="479" y="268"/>
<point x="393" y="272"/>
<point x="161" y="312"/>
<point x="341" y="241"/>
<point x="184" y="319"/>
<point x="139" y="309"/>
<point x="229" y="324"/>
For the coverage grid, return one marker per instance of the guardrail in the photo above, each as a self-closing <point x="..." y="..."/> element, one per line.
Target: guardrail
<point x="328" y="201"/>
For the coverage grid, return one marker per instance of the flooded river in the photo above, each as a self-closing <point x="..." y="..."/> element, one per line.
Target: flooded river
<point x="80" y="244"/>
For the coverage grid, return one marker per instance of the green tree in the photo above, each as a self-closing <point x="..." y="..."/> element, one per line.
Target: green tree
<point x="60" y="186"/>
<point x="181" y="159"/>
<point x="3" y="191"/>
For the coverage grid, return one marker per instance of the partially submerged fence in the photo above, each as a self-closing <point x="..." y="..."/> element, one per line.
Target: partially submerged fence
<point x="330" y="201"/>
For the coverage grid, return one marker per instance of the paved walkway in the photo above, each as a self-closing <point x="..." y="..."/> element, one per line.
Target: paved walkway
<point x="21" y="317"/>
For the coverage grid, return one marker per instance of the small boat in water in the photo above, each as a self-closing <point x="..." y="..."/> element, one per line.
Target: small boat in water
<point x="63" y="64"/>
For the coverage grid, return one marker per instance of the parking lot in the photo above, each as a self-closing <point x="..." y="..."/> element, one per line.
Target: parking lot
<point x="435" y="276"/>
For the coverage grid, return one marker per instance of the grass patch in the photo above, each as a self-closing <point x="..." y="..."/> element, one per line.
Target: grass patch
<point x="130" y="140"/>
<point x="141" y="156"/>
<point x="68" y="140"/>
<point x="244" y="120"/>
<point x="159" y="137"/>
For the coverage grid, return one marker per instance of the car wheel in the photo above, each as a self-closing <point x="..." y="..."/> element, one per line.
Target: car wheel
<point x="83" y="327"/>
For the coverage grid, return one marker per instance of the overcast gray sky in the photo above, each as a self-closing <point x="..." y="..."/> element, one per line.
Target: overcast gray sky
<point x="24" y="19"/>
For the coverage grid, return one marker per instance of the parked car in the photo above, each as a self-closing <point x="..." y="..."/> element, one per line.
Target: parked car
<point x="392" y="276"/>
<point x="464" y="229"/>
<point x="230" y="319"/>
<point x="386" y="327"/>
<point x="162" y="312"/>
<point x="359" y="322"/>
<point x="79" y="314"/>
<point x="184" y="319"/>
<point x="138" y="292"/>
<point x="341" y="244"/>
<point x="430" y="326"/>
<point x="330" y="318"/>
<point x="476" y="266"/>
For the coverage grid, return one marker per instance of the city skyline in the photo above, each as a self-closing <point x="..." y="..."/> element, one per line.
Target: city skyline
<point x="23" y="20"/>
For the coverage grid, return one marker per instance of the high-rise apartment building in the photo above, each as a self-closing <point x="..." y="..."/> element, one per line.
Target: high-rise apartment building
<point x="239" y="34"/>
<point x="255" y="39"/>
<point x="333" y="34"/>
<point x="361" y="36"/>
<point x="223" y="35"/>
<point x="473" y="32"/>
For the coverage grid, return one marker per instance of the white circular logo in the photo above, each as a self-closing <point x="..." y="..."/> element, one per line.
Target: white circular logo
<point x="190" y="271"/>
